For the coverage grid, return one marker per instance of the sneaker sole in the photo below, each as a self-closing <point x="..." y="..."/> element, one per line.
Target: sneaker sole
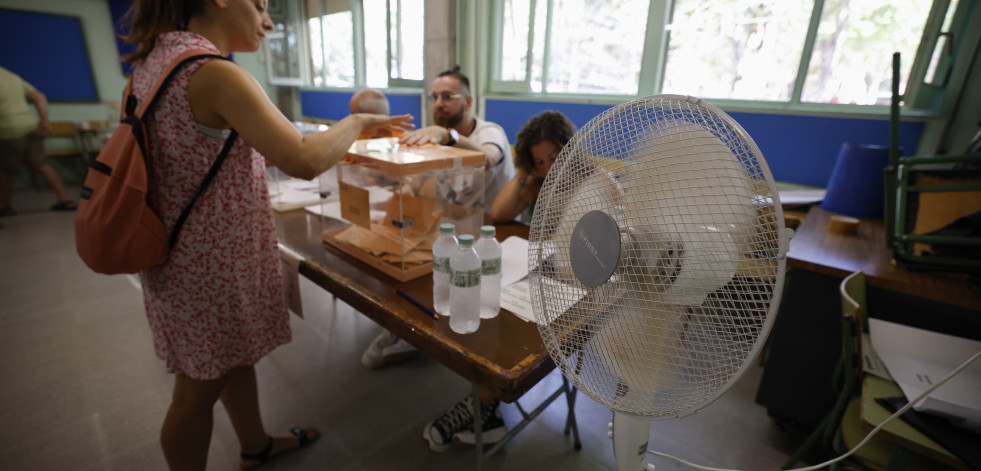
<point x="434" y="447"/>
<point x="489" y="437"/>
<point x="395" y="357"/>
<point x="373" y="364"/>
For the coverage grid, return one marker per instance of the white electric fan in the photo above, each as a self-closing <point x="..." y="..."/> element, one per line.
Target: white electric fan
<point x="656" y="261"/>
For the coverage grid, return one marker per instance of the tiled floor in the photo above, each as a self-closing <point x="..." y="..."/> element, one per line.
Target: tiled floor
<point x="82" y="389"/>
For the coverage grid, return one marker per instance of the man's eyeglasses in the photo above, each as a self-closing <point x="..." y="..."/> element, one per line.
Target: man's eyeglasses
<point x="444" y="96"/>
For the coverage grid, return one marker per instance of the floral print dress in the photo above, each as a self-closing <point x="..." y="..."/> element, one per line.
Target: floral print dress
<point x="217" y="303"/>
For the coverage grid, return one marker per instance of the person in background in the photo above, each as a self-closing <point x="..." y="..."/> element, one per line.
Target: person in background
<point x="22" y="140"/>
<point x="455" y="126"/>
<point x="217" y="307"/>
<point x="369" y="100"/>
<point x="386" y="347"/>
<point x="373" y="101"/>
<point x="539" y="143"/>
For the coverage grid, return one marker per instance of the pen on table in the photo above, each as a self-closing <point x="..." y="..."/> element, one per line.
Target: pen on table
<point x="417" y="303"/>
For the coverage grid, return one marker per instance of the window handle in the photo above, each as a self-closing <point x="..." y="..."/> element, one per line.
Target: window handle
<point x="950" y="41"/>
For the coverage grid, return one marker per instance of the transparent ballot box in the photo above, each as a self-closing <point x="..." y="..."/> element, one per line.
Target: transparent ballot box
<point x="287" y="193"/>
<point x="395" y="198"/>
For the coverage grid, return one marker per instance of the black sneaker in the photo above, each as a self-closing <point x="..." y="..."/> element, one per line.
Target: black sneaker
<point x="439" y="433"/>
<point x="492" y="426"/>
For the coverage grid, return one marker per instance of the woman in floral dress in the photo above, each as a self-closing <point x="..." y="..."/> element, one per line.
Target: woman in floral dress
<point x="216" y="307"/>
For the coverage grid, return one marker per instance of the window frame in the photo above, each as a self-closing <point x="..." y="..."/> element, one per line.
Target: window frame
<point x="920" y="98"/>
<point x="359" y="48"/>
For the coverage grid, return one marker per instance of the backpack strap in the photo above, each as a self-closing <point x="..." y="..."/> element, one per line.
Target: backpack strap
<point x="175" y="65"/>
<point x="204" y="185"/>
<point x="131" y="109"/>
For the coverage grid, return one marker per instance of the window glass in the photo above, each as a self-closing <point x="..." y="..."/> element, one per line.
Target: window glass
<point x="514" y="40"/>
<point x="735" y="49"/>
<point x="538" y="45"/>
<point x="392" y="32"/>
<point x="375" y="43"/>
<point x="944" y="46"/>
<point x="316" y="51"/>
<point x="852" y="57"/>
<point x="407" y="39"/>
<point x="338" y="50"/>
<point x="283" y="55"/>
<point x="596" y="46"/>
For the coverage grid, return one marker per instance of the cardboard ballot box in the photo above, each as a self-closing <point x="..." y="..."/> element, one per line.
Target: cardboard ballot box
<point x="395" y="198"/>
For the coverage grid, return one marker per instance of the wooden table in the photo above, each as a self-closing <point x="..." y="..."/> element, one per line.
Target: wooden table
<point x="816" y="249"/>
<point x="505" y="356"/>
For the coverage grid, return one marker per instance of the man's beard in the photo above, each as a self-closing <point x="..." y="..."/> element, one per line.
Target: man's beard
<point x="450" y="121"/>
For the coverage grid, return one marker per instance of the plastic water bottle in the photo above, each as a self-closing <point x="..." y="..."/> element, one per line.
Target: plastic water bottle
<point x="443" y="249"/>
<point x="465" y="287"/>
<point x="489" y="251"/>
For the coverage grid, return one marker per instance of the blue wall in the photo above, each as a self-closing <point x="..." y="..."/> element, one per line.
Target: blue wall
<point x="55" y="62"/>
<point x="798" y="149"/>
<point x="336" y="105"/>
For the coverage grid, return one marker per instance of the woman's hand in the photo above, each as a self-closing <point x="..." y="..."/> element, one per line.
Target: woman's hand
<point x="381" y="125"/>
<point x="529" y="185"/>
<point x="519" y="193"/>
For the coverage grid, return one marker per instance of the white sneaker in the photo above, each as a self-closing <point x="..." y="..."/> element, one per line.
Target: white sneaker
<point x="387" y="348"/>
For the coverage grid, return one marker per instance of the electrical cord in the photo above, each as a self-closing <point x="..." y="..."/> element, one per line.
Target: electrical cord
<point x="865" y="440"/>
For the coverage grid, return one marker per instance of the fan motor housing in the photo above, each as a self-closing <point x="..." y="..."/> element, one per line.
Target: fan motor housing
<point x="594" y="250"/>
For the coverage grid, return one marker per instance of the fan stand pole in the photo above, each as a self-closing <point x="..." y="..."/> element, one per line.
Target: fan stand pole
<point x="630" y="436"/>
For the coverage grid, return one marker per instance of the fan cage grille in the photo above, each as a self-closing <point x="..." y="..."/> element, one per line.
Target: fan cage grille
<point x="700" y="263"/>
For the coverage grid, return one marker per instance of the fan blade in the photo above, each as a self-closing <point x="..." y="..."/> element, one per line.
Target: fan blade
<point x="710" y="259"/>
<point x="630" y="436"/>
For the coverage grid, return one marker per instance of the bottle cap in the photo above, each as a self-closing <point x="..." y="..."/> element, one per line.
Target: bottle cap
<point x="466" y="239"/>
<point x="487" y="230"/>
<point x="447" y="228"/>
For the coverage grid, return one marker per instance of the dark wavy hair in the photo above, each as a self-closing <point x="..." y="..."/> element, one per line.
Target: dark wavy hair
<point x="547" y="126"/>
<point x="151" y="18"/>
<point x="455" y="73"/>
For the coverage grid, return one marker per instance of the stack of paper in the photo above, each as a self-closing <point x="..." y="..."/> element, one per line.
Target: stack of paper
<point x="917" y="359"/>
<point x="516" y="289"/>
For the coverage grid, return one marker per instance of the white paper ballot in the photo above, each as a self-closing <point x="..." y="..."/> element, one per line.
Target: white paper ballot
<point x="287" y="195"/>
<point x="918" y="358"/>
<point x="871" y="362"/>
<point x="517" y="297"/>
<point x="800" y="197"/>
<point x="514" y="260"/>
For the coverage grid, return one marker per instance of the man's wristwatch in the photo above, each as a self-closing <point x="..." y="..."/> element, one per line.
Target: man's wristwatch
<point x="454" y="136"/>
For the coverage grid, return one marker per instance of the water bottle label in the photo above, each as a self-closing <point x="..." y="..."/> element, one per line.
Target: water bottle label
<point x="441" y="264"/>
<point x="490" y="266"/>
<point x="465" y="278"/>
